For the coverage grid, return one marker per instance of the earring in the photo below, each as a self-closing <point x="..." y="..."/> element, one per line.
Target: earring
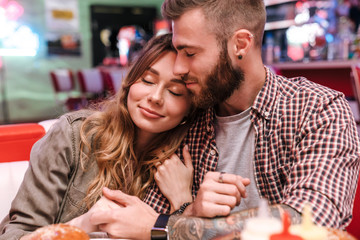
<point x="184" y="121"/>
<point x="240" y="57"/>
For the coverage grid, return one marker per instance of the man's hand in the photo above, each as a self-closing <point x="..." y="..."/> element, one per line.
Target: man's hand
<point x="133" y="220"/>
<point x="83" y="221"/>
<point x="175" y="179"/>
<point x="216" y="198"/>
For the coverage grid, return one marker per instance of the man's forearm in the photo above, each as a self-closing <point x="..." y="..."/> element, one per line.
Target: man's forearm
<point x="228" y="227"/>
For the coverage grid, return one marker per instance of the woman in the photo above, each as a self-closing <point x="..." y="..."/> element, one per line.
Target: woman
<point x="118" y="146"/>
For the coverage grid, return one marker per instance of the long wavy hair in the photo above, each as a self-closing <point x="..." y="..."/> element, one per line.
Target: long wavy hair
<point x="108" y="135"/>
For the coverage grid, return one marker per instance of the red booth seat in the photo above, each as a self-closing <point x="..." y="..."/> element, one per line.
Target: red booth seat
<point x="16" y="140"/>
<point x="354" y="227"/>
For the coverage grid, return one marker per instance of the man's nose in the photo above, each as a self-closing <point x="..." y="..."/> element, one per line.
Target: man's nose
<point x="181" y="66"/>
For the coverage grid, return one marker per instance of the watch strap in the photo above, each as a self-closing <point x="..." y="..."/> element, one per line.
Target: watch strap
<point x="162" y="220"/>
<point x="159" y="231"/>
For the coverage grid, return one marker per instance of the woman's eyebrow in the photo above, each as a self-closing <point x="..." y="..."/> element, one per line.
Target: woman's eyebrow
<point x="153" y="71"/>
<point x="176" y="80"/>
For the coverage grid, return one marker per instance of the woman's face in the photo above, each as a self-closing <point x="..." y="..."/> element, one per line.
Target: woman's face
<point x="159" y="100"/>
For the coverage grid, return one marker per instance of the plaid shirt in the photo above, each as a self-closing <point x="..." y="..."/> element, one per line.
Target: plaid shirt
<point x="306" y="149"/>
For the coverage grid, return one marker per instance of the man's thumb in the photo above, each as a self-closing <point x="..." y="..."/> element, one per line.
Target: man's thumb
<point x="116" y="195"/>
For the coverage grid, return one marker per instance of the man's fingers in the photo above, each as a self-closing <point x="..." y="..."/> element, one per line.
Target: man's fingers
<point x="117" y="196"/>
<point x="222" y="189"/>
<point x="187" y="157"/>
<point x="226" y="178"/>
<point x="211" y="210"/>
<point x="246" y="181"/>
<point x="100" y="217"/>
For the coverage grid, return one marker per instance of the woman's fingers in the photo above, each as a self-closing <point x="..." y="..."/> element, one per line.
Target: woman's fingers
<point x="187" y="157"/>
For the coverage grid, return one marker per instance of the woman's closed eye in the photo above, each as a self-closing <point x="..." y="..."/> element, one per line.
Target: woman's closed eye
<point x="175" y="93"/>
<point x="177" y="89"/>
<point x="146" y="81"/>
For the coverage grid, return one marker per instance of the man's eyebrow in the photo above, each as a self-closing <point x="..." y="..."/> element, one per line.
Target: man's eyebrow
<point x="183" y="46"/>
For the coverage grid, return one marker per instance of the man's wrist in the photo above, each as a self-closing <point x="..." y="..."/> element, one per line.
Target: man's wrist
<point x="189" y="210"/>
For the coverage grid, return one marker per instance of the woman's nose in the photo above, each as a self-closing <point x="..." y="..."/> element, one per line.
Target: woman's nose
<point x="156" y="96"/>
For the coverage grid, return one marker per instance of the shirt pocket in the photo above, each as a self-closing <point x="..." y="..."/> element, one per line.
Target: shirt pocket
<point x="74" y="205"/>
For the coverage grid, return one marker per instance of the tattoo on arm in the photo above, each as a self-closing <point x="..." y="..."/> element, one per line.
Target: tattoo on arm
<point x="228" y="227"/>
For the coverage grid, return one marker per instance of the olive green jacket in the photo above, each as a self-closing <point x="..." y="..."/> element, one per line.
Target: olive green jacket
<point x="55" y="184"/>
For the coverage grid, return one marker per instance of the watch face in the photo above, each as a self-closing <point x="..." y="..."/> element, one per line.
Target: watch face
<point x="159" y="233"/>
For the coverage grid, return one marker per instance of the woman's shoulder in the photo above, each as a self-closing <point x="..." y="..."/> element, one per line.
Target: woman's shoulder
<point x="76" y="116"/>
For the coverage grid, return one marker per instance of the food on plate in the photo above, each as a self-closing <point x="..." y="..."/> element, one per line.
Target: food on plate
<point x="58" y="232"/>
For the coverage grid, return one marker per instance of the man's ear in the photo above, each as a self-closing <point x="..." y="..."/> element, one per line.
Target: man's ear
<point x="241" y="42"/>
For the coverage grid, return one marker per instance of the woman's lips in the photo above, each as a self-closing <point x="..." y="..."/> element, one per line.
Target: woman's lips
<point x="150" y="113"/>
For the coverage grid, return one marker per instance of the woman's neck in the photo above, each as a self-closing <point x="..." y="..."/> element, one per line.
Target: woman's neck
<point x="143" y="139"/>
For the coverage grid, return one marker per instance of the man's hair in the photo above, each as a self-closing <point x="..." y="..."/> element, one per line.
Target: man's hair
<point x="224" y="16"/>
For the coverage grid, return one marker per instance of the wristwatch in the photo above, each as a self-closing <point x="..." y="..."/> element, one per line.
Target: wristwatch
<point x="160" y="229"/>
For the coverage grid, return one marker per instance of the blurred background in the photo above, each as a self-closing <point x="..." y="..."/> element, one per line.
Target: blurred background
<point x="59" y="55"/>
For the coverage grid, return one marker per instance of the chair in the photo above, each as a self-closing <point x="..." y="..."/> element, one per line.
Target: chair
<point x="91" y="84"/>
<point x="16" y="141"/>
<point x="113" y="79"/>
<point x="63" y="82"/>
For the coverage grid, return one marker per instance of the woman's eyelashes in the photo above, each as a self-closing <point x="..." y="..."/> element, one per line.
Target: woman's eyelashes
<point x="146" y="81"/>
<point x="174" y="90"/>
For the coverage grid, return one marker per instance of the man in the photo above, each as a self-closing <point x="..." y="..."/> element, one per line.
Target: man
<point x="290" y="141"/>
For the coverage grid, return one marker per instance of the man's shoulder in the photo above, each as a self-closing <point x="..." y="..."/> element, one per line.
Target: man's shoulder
<point x="299" y="86"/>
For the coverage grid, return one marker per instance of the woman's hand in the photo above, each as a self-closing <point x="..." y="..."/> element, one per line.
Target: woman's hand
<point x="175" y="179"/>
<point x="83" y="221"/>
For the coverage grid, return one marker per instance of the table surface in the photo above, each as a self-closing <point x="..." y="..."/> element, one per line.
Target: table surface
<point x="334" y="234"/>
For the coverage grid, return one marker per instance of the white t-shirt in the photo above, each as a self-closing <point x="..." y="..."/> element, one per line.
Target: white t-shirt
<point x="235" y="139"/>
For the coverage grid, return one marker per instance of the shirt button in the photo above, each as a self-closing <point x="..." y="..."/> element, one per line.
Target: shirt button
<point x="266" y="114"/>
<point x="212" y="152"/>
<point x="208" y="128"/>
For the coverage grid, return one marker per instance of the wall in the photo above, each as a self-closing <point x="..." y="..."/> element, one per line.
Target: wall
<point x="29" y="93"/>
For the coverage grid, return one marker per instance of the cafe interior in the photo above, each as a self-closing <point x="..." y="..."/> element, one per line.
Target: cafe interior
<point x="58" y="56"/>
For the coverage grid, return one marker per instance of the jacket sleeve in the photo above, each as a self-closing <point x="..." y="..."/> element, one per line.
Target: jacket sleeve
<point x="40" y="195"/>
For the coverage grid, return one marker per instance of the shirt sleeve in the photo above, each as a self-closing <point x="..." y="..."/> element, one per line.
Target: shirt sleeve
<point x="39" y="198"/>
<point x="326" y="166"/>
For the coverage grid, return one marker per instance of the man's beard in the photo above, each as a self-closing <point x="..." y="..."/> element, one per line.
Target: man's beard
<point x="220" y="84"/>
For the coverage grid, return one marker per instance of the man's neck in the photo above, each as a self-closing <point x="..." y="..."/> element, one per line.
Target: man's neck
<point x="244" y="97"/>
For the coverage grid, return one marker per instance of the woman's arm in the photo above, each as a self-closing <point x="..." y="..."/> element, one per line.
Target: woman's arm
<point x="175" y="178"/>
<point x="45" y="182"/>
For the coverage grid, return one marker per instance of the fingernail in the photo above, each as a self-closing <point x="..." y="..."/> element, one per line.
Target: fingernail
<point x="186" y="147"/>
